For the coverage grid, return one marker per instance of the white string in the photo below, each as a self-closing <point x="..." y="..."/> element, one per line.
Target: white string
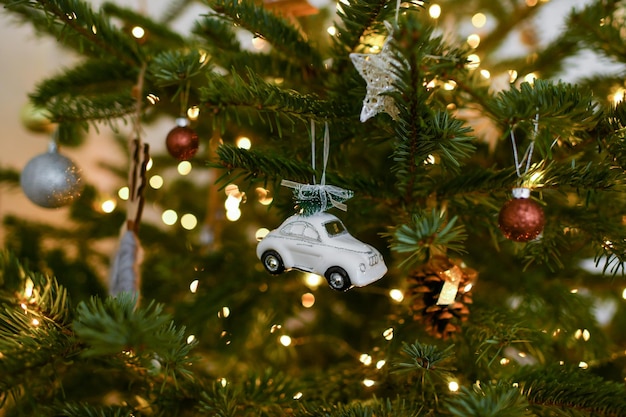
<point x="313" y="148"/>
<point x="398" y="2"/>
<point x="326" y="151"/>
<point x="528" y="155"/>
<point x="515" y="157"/>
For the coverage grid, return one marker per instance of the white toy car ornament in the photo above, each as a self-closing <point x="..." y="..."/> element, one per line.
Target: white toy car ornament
<point x="320" y="244"/>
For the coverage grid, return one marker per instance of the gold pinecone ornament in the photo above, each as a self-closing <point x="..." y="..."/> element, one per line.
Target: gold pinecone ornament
<point x="440" y="293"/>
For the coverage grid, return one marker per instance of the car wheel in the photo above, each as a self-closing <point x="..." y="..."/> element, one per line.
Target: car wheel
<point x="272" y="262"/>
<point x="338" y="278"/>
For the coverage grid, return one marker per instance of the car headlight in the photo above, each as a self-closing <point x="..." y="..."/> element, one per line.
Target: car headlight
<point x="362" y="267"/>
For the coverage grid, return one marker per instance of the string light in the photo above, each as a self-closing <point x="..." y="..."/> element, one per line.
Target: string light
<point x="474" y="61"/>
<point x="449" y="85"/>
<point x="275" y="328"/>
<point x="473" y="40"/>
<point x="259" y="43"/>
<point x="223" y="382"/>
<point x="365" y="359"/>
<point x="190" y="339"/>
<point x="512" y="76"/>
<point x="380" y="364"/>
<point x="156" y="181"/>
<point x="244" y="142"/>
<point x="535" y="178"/>
<point x="224" y="312"/>
<point x="123" y="193"/>
<point x="94" y="29"/>
<point x="28" y="288"/>
<point x="332" y="31"/>
<point x="313" y="281"/>
<point x="530" y="78"/>
<point x="308" y="300"/>
<point x="297" y="396"/>
<point x="188" y="221"/>
<point x="369" y="382"/>
<point x="388" y="333"/>
<point x="479" y="20"/>
<point x="285" y="340"/>
<point x="193" y="112"/>
<point x="235" y="197"/>
<point x="261" y="233"/>
<point x="138" y="32"/>
<point x="263" y="196"/>
<point x="453" y="386"/>
<point x="504" y="361"/>
<point x="617" y="96"/>
<point x="624" y="293"/>
<point x="233" y="215"/>
<point x="35" y="322"/>
<point x="184" y="168"/>
<point x="583" y="365"/>
<point x="396" y="295"/>
<point x="169" y="217"/>
<point x="193" y="287"/>
<point x="108" y="206"/>
<point x="582" y="333"/>
<point x="434" y="11"/>
<point x="153" y="99"/>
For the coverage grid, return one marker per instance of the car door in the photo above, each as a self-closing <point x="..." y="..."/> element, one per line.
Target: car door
<point x="305" y="246"/>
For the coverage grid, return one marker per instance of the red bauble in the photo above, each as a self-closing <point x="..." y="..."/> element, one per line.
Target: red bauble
<point x="521" y="219"/>
<point x="182" y="143"/>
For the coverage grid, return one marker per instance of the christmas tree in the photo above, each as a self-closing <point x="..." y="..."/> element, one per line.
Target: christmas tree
<point x="453" y="207"/>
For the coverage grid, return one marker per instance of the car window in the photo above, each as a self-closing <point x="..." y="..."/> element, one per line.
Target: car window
<point x="311" y="233"/>
<point x="334" y="228"/>
<point x="294" y="229"/>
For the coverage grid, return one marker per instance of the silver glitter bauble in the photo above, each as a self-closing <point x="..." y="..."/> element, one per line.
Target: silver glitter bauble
<point x="51" y="180"/>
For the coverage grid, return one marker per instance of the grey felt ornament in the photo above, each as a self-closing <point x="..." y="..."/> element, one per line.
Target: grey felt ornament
<point x="124" y="274"/>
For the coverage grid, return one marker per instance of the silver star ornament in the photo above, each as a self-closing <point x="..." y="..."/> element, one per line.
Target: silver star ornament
<point x="376" y="70"/>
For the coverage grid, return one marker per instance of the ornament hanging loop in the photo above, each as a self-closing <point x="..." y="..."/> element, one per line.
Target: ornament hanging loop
<point x="315" y="198"/>
<point x="528" y="154"/>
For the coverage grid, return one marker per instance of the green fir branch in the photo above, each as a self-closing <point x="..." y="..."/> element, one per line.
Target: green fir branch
<point x="76" y="25"/>
<point x="282" y="35"/>
<point x="599" y="27"/>
<point x="428" y="364"/>
<point x="256" y="166"/>
<point x="218" y="34"/>
<point x="559" y="111"/>
<point x="177" y="67"/>
<point x="490" y="332"/>
<point x="428" y="233"/>
<point x="488" y="400"/>
<point x="566" y="389"/>
<point x="87" y="410"/>
<point x="34" y="325"/>
<point x="95" y="90"/>
<point x="374" y="407"/>
<point x="114" y="325"/>
<point x="157" y="35"/>
<point x="423" y="132"/>
<point x="426" y="359"/>
<point x="256" y="96"/>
